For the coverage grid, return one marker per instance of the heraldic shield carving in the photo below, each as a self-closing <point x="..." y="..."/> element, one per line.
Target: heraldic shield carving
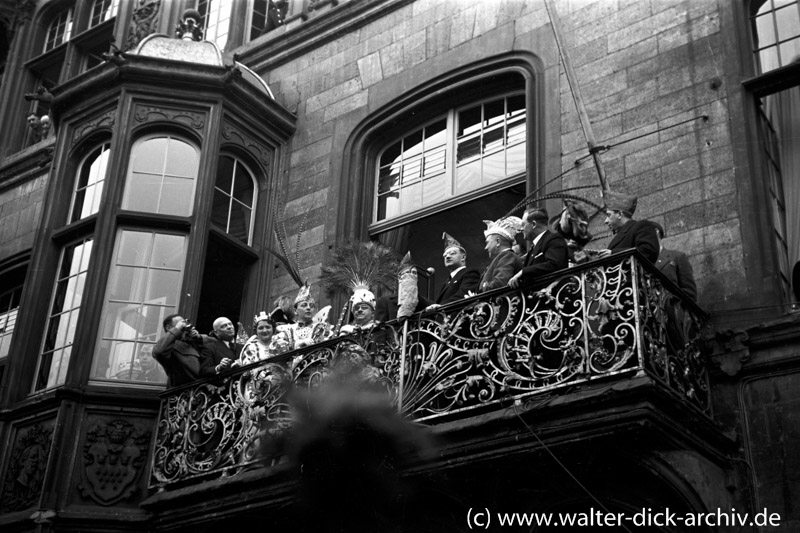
<point x="113" y="459"/>
<point x="26" y="468"/>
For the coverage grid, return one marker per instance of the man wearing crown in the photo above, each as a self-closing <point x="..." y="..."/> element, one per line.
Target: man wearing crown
<point x="310" y="327"/>
<point x="505" y="263"/>
<point x="362" y="306"/>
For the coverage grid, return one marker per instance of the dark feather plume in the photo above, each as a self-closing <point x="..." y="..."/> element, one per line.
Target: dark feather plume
<point x="368" y="265"/>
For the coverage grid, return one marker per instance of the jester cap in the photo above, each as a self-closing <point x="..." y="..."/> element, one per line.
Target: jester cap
<point x="450" y="242"/>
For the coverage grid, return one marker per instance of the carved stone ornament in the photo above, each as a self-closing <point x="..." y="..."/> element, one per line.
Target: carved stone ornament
<point x="26" y="468"/>
<point x="143" y="22"/>
<point x="151" y="113"/>
<point x="114" y="456"/>
<point x="106" y="119"/>
<point x="259" y="151"/>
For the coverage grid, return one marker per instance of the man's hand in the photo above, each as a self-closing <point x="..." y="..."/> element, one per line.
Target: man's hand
<point x="224" y="364"/>
<point x="432" y="307"/>
<point x="603" y="253"/>
<point x="514" y="281"/>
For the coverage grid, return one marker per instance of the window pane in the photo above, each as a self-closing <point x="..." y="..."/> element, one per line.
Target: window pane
<point x="788" y="20"/>
<point x="240" y="222"/>
<point x="389" y="178"/>
<point x="494" y="166"/>
<point x="219" y="209"/>
<point x="790" y="51"/>
<point x="411" y="197"/>
<point x="434" y="190"/>
<point x="162" y="177"/>
<point x="167" y="251"/>
<point x="127" y="283"/>
<point x="765" y="27"/>
<point x="176" y="196"/>
<point x="388" y="205"/>
<point x="468" y="149"/>
<point x="137" y="299"/>
<point x="161" y="286"/>
<point x="243" y="186"/>
<point x="469" y="121"/>
<point x="142" y="192"/>
<point x="225" y="174"/>
<point x="149" y="158"/>
<point x="468" y="177"/>
<point x="134" y="248"/>
<point x="181" y="159"/>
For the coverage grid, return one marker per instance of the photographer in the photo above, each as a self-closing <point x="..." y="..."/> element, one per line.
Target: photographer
<point x="179" y="351"/>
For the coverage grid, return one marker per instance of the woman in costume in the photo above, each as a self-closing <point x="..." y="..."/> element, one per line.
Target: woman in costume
<point x="263" y="345"/>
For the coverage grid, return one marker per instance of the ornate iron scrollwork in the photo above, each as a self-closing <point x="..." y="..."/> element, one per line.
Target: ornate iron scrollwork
<point x="605" y="320"/>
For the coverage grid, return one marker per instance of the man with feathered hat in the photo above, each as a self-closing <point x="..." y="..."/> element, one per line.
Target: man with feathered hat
<point x="362" y="307"/>
<point x="628" y="233"/>
<point x="505" y="263"/>
<point x="461" y="281"/>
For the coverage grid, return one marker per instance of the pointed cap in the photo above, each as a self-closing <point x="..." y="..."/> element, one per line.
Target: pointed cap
<point x="450" y="242"/>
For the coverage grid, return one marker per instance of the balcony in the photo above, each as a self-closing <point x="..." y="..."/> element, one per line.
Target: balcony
<point x="613" y="321"/>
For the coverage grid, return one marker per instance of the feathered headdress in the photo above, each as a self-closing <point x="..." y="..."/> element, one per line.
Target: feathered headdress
<point x="363" y="265"/>
<point x="505" y="227"/>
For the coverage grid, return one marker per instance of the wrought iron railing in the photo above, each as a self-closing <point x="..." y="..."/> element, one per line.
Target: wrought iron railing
<point x="609" y="319"/>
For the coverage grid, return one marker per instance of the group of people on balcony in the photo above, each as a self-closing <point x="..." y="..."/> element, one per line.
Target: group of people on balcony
<point x="520" y="251"/>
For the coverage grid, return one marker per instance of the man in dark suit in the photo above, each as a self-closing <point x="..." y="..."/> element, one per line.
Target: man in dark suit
<point x="547" y="251"/>
<point x="675" y="266"/>
<point x="505" y="263"/>
<point x="462" y="280"/>
<point x="628" y="233"/>
<point x="179" y="351"/>
<point x="219" y="349"/>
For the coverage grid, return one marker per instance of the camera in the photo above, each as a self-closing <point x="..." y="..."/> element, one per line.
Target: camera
<point x="188" y="328"/>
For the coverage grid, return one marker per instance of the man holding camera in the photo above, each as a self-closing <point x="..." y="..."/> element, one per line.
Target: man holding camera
<point x="179" y="351"/>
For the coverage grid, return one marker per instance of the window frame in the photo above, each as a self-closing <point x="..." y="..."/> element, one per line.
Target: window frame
<point x="450" y="173"/>
<point x="763" y="256"/>
<point x="254" y="203"/>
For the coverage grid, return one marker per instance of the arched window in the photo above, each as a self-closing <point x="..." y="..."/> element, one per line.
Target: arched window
<point x="161" y="176"/>
<point x="59" y="30"/>
<point x="445" y="157"/>
<point x="776" y="33"/>
<point x="89" y="183"/>
<point x="234" y="198"/>
<point x="466" y="149"/>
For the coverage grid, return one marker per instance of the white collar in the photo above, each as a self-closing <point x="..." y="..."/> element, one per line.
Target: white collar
<point x="456" y="271"/>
